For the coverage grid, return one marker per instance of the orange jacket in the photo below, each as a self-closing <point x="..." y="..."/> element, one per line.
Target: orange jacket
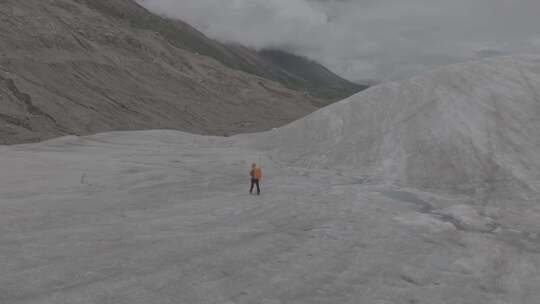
<point x="256" y="173"/>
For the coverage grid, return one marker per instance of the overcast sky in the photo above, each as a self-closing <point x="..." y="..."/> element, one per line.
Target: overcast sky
<point x="369" y="39"/>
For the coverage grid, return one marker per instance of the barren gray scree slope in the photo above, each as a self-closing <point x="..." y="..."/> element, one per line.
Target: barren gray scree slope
<point x="87" y="66"/>
<point x="354" y="209"/>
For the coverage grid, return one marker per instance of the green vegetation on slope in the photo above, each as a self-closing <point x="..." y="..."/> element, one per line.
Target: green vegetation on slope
<point x="311" y="76"/>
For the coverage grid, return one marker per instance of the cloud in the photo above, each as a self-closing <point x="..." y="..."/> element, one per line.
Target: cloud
<point x="369" y="39"/>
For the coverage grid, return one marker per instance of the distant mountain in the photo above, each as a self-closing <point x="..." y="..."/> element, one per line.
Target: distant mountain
<point x="298" y="72"/>
<point x="87" y="66"/>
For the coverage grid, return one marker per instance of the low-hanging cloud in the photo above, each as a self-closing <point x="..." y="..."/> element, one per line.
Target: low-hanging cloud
<point x="369" y="39"/>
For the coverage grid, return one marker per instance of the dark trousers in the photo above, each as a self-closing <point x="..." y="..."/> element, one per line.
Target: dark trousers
<point x="254" y="182"/>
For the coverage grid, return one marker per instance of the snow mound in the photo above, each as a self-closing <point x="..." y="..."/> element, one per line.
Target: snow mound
<point x="469" y="127"/>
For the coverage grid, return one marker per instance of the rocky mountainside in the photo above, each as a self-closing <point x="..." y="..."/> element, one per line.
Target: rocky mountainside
<point x="293" y="71"/>
<point x="87" y="66"/>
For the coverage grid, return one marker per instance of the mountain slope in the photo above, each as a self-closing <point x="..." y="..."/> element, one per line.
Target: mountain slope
<point x="468" y="127"/>
<point x="294" y="72"/>
<point x="81" y="67"/>
<point x="302" y="73"/>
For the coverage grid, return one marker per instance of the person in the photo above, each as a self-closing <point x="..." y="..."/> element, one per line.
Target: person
<point x="256" y="176"/>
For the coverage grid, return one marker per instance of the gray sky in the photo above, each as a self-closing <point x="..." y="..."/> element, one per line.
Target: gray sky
<point x="369" y="39"/>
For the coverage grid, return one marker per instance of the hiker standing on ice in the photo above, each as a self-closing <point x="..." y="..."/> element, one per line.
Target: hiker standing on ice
<point x="256" y="176"/>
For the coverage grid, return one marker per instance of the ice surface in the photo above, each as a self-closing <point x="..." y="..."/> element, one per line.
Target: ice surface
<point x="423" y="191"/>
<point x="467" y="127"/>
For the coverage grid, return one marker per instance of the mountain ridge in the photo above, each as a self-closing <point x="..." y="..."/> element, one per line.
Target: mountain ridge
<point x="233" y="55"/>
<point x="93" y="66"/>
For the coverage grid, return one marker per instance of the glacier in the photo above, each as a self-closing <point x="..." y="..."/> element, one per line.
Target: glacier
<point x="419" y="191"/>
